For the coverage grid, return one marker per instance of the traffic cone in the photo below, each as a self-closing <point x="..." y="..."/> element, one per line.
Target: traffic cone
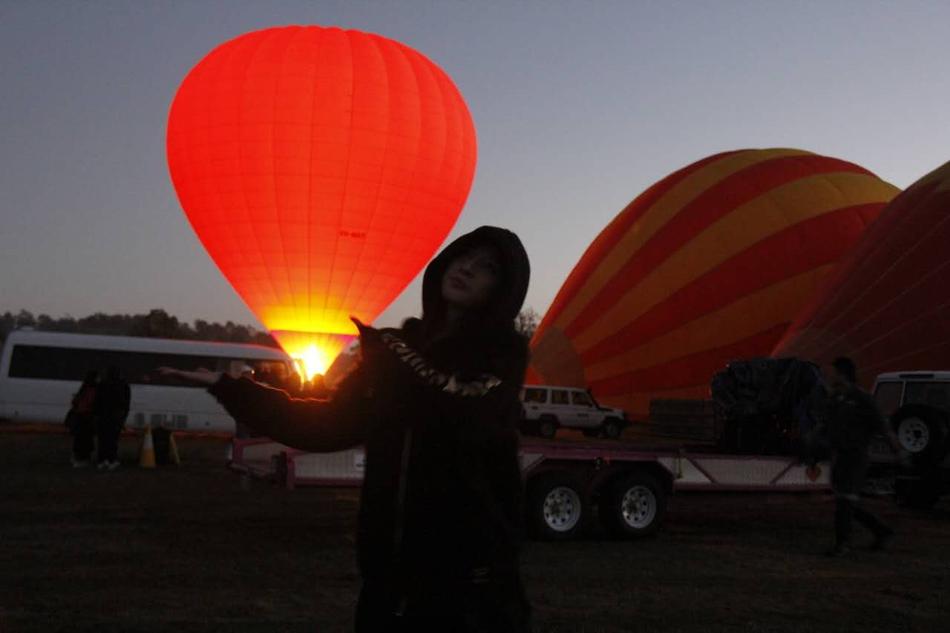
<point x="173" y="450"/>
<point x="147" y="454"/>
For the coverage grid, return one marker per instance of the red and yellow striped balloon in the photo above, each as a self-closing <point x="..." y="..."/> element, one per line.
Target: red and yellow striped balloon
<point x="887" y="304"/>
<point x="710" y="264"/>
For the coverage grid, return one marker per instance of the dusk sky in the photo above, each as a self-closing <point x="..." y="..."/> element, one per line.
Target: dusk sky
<point x="579" y="106"/>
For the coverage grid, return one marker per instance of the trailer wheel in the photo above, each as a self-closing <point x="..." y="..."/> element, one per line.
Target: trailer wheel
<point x="557" y="507"/>
<point x="547" y="426"/>
<point x="633" y="507"/>
<point x="612" y="428"/>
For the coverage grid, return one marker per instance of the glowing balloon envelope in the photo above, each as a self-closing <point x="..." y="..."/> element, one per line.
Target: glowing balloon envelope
<point x="710" y="264"/>
<point x="321" y="168"/>
<point x="887" y="303"/>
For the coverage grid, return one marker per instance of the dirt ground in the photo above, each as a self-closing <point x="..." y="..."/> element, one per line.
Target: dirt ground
<point x="198" y="548"/>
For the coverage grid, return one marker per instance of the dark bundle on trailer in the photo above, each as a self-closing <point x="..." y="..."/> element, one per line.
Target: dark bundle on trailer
<point x="767" y="405"/>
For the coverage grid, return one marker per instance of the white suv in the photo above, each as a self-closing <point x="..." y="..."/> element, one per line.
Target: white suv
<point x="547" y="407"/>
<point x="918" y="405"/>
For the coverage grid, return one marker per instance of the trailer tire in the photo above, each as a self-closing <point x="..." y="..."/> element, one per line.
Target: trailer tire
<point x="922" y="431"/>
<point x="557" y="506"/>
<point x="633" y="507"/>
<point x="547" y="426"/>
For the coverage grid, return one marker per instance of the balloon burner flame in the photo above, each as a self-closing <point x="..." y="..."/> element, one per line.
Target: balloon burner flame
<point x="313" y="352"/>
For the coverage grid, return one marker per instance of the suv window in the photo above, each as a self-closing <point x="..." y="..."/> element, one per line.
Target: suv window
<point x="535" y="395"/>
<point x="888" y="396"/>
<point x="934" y="394"/>
<point x="558" y="396"/>
<point x="580" y="398"/>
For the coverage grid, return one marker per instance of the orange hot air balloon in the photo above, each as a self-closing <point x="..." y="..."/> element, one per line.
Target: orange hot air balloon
<point x="710" y="264"/>
<point x="887" y="303"/>
<point x="321" y="168"/>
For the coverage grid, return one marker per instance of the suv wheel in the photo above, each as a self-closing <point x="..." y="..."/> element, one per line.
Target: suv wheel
<point x="921" y="431"/>
<point x="612" y="428"/>
<point x="547" y="427"/>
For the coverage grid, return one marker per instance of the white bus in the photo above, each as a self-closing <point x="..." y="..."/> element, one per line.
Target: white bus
<point x="40" y="372"/>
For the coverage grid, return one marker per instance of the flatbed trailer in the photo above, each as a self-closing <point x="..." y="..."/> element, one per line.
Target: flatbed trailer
<point x="567" y="483"/>
<point x="628" y="484"/>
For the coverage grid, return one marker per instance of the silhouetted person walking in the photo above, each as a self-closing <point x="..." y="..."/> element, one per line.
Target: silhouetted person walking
<point x="113" y="398"/>
<point x="435" y="403"/>
<point x="82" y="421"/>
<point x="853" y="419"/>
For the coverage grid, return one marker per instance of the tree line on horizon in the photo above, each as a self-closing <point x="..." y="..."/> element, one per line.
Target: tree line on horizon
<point x="157" y="323"/>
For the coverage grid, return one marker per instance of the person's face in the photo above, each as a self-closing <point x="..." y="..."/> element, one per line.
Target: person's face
<point x="470" y="278"/>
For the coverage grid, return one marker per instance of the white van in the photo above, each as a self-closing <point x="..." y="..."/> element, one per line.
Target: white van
<point x="40" y="372"/>
<point x="549" y="407"/>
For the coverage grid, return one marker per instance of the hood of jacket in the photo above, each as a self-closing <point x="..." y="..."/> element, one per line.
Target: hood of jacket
<point x="507" y="298"/>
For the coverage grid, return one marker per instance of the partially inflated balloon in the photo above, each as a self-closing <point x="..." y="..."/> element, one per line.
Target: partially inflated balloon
<point x="320" y="168"/>
<point x="887" y="304"/>
<point x="710" y="264"/>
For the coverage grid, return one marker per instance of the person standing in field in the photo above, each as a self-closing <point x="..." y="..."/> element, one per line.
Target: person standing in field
<point x="113" y="398"/>
<point x="853" y="419"/>
<point x="435" y="403"/>
<point x="81" y="420"/>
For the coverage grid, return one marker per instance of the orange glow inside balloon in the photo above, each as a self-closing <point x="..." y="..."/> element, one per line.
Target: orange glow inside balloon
<point x="313" y="352"/>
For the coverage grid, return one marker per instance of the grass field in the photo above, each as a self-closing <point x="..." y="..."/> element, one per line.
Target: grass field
<point x="198" y="548"/>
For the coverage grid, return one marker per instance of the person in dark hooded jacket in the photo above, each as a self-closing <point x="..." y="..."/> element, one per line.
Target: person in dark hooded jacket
<point x="435" y="403"/>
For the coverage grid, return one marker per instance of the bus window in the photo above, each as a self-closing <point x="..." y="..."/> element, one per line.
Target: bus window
<point x="68" y="363"/>
<point x="274" y="373"/>
<point x="274" y="368"/>
<point x="29" y="361"/>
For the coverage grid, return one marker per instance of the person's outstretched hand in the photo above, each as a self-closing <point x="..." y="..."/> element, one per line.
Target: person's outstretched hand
<point x="197" y="377"/>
